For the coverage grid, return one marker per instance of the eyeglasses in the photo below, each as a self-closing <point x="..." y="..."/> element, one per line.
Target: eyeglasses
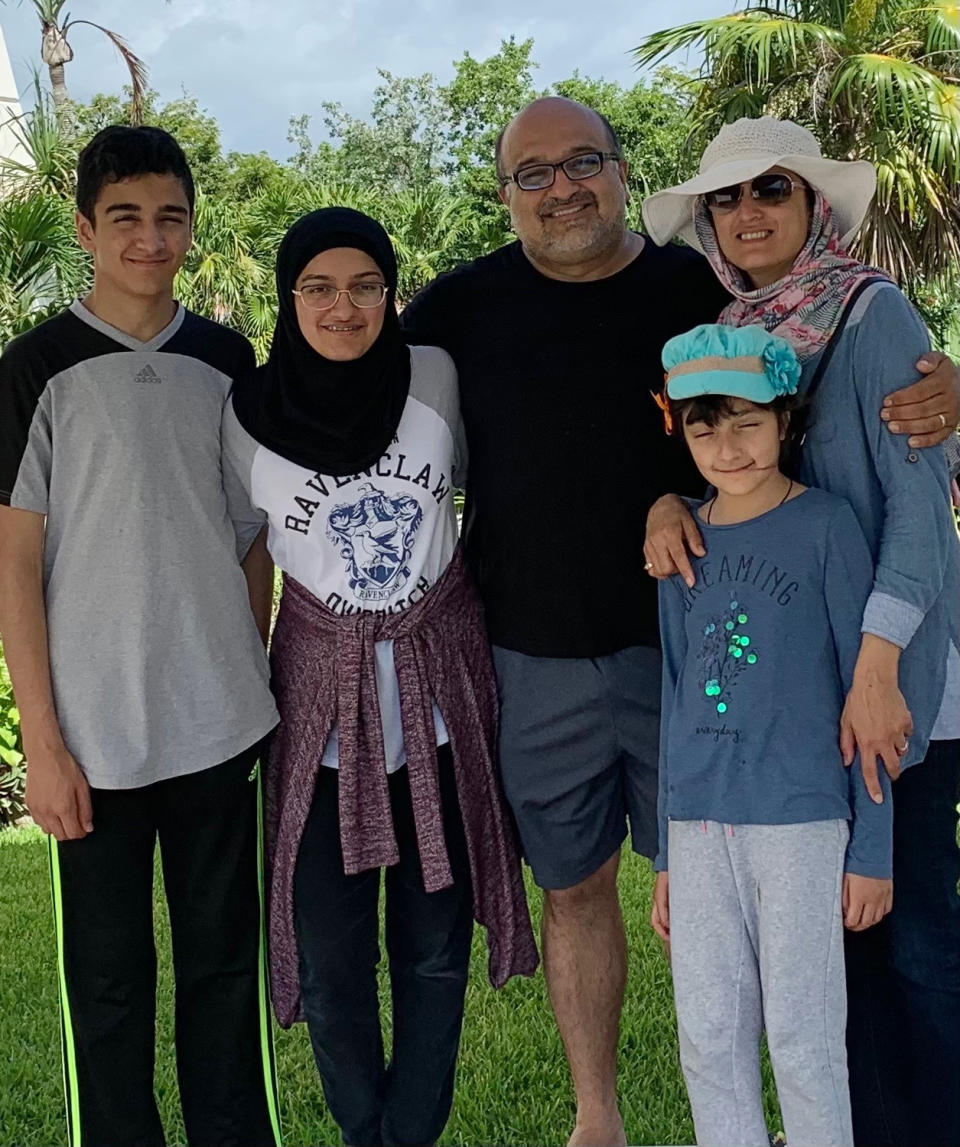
<point x="771" y="190"/>
<point x="319" y="297"/>
<point x="539" y="176"/>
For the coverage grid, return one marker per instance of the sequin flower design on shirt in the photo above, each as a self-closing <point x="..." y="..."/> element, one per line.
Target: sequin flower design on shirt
<point x="725" y="653"/>
<point x="376" y="535"/>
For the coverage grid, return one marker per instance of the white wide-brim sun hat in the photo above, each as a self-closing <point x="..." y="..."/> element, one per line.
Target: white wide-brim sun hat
<point x="750" y="147"/>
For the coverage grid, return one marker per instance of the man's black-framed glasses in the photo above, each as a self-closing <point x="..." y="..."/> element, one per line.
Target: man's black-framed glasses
<point x="771" y="189"/>
<point x="321" y="297"/>
<point x="539" y="176"/>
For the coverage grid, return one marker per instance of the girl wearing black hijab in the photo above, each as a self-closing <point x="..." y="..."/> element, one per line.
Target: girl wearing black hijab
<point x="350" y="442"/>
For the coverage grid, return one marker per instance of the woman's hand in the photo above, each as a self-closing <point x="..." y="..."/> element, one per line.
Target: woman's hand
<point x="866" y="901"/>
<point x="660" y="913"/>
<point x="929" y="410"/>
<point x="671" y="531"/>
<point x="875" y="718"/>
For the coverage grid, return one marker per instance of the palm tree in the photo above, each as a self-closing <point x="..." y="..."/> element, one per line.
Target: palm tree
<point x="432" y="231"/>
<point x="47" y="159"/>
<point x="41" y="266"/>
<point x="873" y="79"/>
<point x="55" y="51"/>
<point x="222" y="276"/>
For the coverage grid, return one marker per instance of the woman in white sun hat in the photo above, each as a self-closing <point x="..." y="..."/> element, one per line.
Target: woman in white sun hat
<point x="774" y="218"/>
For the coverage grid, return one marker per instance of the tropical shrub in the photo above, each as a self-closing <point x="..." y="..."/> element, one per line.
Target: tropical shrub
<point x="13" y="771"/>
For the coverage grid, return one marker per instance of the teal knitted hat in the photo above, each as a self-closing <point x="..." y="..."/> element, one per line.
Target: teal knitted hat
<point x="743" y="362"/>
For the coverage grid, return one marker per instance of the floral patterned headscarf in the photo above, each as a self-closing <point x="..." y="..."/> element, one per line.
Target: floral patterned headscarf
<point x="806" y="305"/>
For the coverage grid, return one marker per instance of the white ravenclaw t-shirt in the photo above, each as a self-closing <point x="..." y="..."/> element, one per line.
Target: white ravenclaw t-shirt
<point x="377" y="540"/>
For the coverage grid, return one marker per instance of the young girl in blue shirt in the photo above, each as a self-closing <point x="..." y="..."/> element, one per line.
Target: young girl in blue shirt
<point x="768" y="844"/>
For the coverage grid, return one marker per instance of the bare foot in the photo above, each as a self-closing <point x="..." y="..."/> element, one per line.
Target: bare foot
<point x="599" y="1132"/>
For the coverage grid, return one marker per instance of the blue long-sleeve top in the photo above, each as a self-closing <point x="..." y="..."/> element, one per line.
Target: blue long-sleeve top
<point x="757" y="660"/>
<point x="901" y="499"/>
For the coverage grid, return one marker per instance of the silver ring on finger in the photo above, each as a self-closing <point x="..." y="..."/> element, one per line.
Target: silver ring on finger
<point x="648" y="566"/>
<point x="943" y="422"/>
<point x="902" y="749"/>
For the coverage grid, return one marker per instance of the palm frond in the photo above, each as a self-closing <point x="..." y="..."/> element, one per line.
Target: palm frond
<point x="896" y="91"/>
<point x="717" y="105"/>
<point x="257" y="320"/>
<point x="50" y="152"/>
<point x="743" y="100"/>
<point x="939" y="246"/>
<point x="833" y="12"/>
<point x="47" y="10"/>
<point x="885" y="241"/>
<point x="41" y="266"/>
<point x="943" y="132"/>
<point x="943" y="28"/>
<point x="912" y="225"/>
<point x="135" y="66"/>
<point x="893" y="240"/>
<point x="757" y="40"/>
<point x="221" y="271"/>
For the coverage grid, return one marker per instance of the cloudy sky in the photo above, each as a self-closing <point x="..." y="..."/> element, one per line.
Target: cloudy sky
<point x="253" y="64"/>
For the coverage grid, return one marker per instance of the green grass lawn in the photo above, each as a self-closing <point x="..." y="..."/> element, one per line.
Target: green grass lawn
<point x="512" y="1086"/>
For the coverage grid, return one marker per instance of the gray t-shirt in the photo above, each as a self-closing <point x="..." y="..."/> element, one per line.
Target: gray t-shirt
<point x="157" y="666"/>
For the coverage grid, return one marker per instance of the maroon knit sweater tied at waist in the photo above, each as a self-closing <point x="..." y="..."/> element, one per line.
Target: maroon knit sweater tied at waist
<point x="324" y="674"/>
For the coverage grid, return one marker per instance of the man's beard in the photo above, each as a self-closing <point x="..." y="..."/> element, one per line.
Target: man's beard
<point x="573" y="245"/>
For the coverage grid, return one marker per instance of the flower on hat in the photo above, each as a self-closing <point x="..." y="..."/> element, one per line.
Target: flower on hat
<point x="781" y="365"/>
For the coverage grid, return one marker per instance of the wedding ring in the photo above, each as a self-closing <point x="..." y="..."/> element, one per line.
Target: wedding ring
<point x="943" y="422"/>
<point x="648" y="566"/>
<point x="901" y="749"/>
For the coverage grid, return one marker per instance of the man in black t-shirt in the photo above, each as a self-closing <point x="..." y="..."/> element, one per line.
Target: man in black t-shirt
<point x="557" y="342"/>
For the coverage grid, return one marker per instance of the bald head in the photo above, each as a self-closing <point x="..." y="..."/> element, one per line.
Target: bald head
<point x="548" y="116"/>
<point x="572" y="221"/>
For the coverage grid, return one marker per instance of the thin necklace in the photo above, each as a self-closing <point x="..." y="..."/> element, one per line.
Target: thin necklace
<point x="776" y="507"/>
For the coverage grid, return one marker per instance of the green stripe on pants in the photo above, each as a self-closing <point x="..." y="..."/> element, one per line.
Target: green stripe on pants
<point x="69" y="1053"/>
<point x="266" y="1028"/>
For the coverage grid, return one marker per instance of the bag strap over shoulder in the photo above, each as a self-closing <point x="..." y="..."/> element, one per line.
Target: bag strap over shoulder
<point x="800" y="418"/>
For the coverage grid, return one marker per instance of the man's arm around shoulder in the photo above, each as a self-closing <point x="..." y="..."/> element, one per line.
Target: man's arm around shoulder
<point x="58" y="795"/>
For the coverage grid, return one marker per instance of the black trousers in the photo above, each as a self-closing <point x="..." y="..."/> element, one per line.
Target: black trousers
<point x="428" y="944"/>
<point x="207" y="825"/>
<point x="903" y="975"/>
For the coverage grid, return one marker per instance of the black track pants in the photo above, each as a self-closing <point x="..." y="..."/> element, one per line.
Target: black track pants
<point x="208" y="828"/>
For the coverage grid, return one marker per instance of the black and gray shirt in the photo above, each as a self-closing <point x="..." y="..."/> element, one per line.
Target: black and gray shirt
<point x="156" y="663"/>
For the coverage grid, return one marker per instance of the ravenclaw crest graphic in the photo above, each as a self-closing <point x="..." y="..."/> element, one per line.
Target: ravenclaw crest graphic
<point x="375" y="536"/>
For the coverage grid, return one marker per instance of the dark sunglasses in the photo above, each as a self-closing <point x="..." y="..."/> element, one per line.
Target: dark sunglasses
<point x="770" y="189"/>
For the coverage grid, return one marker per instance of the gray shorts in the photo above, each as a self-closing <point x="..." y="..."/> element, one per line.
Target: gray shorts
<point x="579" y="742"/>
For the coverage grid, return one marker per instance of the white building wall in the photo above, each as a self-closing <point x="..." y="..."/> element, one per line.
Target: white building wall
<point x="10" y="146"/>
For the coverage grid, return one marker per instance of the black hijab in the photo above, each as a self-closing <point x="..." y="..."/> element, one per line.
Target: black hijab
<point x="334" y="418"/>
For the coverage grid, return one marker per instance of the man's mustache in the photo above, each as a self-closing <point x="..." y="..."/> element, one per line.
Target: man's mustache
<point x="579" y="197"/>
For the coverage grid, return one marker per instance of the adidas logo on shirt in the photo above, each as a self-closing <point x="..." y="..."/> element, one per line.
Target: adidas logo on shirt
<point x="148" y="374"/>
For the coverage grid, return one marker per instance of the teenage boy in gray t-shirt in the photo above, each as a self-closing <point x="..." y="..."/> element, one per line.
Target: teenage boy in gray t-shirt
<point x="133" y="581"/>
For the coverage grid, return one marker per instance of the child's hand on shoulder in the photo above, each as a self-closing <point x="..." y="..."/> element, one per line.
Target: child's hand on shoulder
<point x="660" y="914"/>
<point x="866" y="900"/>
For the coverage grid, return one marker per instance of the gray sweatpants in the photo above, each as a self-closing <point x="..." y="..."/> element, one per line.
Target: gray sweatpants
<point x="756" y="935"/>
